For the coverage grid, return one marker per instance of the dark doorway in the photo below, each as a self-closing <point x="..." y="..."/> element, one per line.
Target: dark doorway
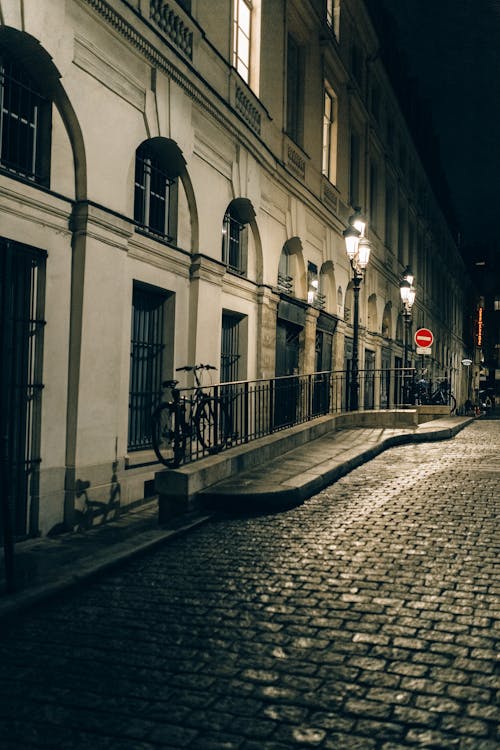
<point x="321" y="393"/>
<point x="369" y="379"/>
<point x="287" y="363"/>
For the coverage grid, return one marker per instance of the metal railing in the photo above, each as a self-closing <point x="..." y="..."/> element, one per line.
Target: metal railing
<point x="244" y="411"/>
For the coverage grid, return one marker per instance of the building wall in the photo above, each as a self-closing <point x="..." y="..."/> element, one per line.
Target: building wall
<point x="125" y="72"/>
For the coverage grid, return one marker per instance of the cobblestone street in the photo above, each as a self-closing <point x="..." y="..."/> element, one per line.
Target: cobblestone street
<point x="364" y="619"/>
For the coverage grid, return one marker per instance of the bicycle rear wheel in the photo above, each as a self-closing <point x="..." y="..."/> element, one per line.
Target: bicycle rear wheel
<point x="169" y="439"/>
<point x="213" y="424"/>
<point x="453" y="404"/>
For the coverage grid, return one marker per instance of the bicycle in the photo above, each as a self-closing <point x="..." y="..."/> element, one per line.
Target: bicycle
<point x="202" y="417"/>
<point x="442" y="396"/>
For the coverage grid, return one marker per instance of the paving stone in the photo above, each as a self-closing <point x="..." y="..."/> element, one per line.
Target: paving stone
<point x="364" y="619"/>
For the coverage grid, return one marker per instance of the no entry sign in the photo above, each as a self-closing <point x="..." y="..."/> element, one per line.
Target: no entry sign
<point x="424" y="337"/>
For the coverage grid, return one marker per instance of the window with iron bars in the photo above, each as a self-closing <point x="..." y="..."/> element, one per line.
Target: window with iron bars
<point x="155" y="199"/>
<point x="285" y="278"/>
<point x="25" y="124"/>
<point x="22" y="293"/>
<point x="230" y="347"/>
<point x="146" y="362"/>
<point x="234" y="243"/>
<point x="314" y="294"/>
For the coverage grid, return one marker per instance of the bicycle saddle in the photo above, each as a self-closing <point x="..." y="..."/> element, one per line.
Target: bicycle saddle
<point x="169" y="383"/>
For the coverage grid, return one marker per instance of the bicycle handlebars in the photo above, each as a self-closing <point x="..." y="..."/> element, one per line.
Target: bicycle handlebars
<point x="192" y="368"/>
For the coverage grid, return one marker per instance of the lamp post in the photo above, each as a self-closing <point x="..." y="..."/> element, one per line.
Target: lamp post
<point x="407" y="292"/>
<point x="358" y="252"/>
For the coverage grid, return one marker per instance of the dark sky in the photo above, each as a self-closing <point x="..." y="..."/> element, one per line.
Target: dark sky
<point x="453" y="49"/>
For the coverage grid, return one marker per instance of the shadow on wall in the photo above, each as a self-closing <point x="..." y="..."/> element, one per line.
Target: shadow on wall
<point x="89" y="513"/>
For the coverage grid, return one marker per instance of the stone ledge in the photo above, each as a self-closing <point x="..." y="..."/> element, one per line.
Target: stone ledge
<point x="178" y="488"/>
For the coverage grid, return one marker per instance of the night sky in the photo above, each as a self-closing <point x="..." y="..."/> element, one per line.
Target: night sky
<point x="452" y="48"/>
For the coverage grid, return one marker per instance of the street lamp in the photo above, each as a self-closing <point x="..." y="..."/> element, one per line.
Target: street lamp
<point x="407" y="292"/>
<point x="358" y="252"/>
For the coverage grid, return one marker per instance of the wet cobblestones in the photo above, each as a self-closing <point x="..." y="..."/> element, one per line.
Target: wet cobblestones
<point x="366" y="619"/>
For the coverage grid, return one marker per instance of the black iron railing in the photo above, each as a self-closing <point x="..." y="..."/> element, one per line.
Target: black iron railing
<point x="244" y="411"/>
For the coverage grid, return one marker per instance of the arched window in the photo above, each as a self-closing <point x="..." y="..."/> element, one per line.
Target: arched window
<point x="235" y="235"/>
<point x="285" y="278"/>
<point x="156" y="188"/>
<point x="25" y="123"/>
<point x="233" y="254"/>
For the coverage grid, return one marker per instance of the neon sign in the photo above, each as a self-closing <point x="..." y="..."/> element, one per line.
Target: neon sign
<point x="480" y="326"/>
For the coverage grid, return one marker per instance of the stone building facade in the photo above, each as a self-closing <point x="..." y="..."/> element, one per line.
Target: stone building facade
<point x="175" y="179"/>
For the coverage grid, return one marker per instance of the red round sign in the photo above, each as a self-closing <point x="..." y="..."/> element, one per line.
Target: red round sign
<point x="424" y="337"/>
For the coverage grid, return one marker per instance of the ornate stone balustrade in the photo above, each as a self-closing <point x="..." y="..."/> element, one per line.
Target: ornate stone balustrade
<point x="172" y="25"/>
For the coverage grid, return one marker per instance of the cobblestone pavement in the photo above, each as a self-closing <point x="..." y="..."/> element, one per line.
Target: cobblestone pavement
<point x="364" y="619"/>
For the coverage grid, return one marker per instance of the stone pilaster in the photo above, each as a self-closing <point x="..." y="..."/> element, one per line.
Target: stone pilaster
<point x="266" y="340"/>
<point x="307" y="362"/>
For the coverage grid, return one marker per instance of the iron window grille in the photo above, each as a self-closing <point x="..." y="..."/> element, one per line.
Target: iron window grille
<point x="230" y="348"/>
<point x="146" y="363"/>
<point x="25" y="125"/>
<point x="285" y="278"/>
<point x="155" y="196"/>
<point x="22" y="279"/>
<point x="233" y="243"/>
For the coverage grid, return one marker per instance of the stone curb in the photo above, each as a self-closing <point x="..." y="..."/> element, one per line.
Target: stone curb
<point x="92" y="567"/>
<point x="284" y="498"/>
<point x="280" y="498"/>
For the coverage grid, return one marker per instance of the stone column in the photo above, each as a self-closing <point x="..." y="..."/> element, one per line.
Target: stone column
<point x="267" y="312"/>
<point x="307" y="362"/>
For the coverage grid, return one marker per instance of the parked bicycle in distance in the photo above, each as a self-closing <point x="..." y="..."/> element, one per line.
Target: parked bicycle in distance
<point x="199" y="417"/>
<point x="441" y="396"/>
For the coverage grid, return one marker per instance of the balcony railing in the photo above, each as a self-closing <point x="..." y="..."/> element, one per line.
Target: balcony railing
<point x="243" y="411"/>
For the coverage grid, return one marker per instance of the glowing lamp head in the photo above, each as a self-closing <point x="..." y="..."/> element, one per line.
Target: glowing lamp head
<point x="404" y="290"/>
<point x="411" y="296"/>
<point x="363" y="253"/>
<point x="351" y="237"/>
<point x="408" y="275"/>
<point x="358" y="221"/>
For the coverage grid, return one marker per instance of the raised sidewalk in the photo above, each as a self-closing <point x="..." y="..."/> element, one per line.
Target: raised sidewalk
<point x="47" y="566"/>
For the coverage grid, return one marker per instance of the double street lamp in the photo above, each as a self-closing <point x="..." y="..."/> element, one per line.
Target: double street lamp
<point x="407" y="291"/>
<point x="358" y="252"/>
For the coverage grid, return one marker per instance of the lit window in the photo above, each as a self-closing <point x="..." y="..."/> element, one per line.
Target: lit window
<point x="242" y="30"/>
<point x="497" y="303"/>
<point x="329" y="133"/>
<point x="285" y="278"/>
<point x="314" y="295"/>
<point x="333" y="15"/>
<point x="25" y="124"/>
<point x="155" y="201"/>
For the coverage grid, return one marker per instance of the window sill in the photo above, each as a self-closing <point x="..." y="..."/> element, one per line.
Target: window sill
<point x="163" y="238"/>
<point x="139" y="459"/>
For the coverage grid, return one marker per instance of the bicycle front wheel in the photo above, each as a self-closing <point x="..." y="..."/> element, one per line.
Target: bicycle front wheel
<point x="169" y="439"/>
<point x="453" y="404"/>
<point x="212" y="422"/>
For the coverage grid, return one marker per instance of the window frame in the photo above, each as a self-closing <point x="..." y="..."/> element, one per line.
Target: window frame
<point x="328" y="161"/>
<point x="18" y="131"/>
<point x="234" y="242"/>
<point x="153" y="186"/>
<point x="295" y="90"/>
<point x="152" y="371"/>
<point x="242" y="62"/>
